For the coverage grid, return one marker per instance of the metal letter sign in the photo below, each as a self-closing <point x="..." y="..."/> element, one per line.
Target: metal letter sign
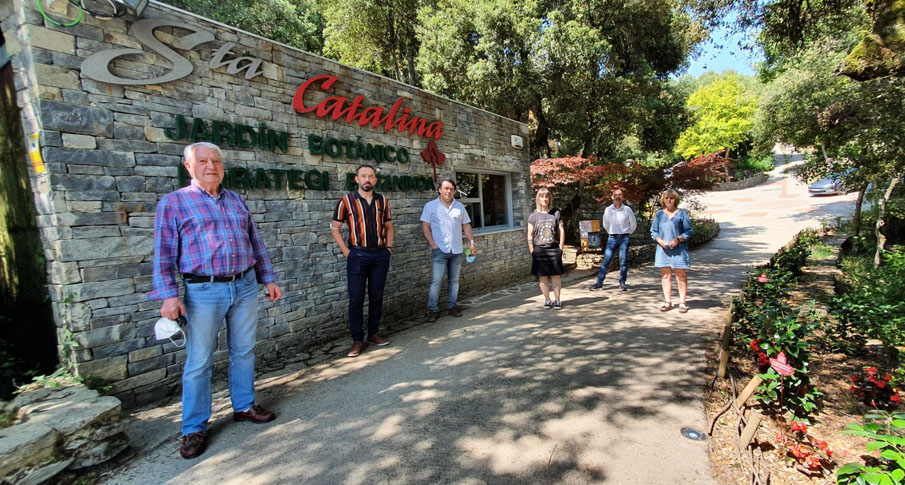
<point x="97" y="66"/>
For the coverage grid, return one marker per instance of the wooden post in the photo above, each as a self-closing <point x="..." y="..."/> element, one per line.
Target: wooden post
<point x="749" y="431"/>
<point x="748" y="391"/>
<point x="726" y="341"/>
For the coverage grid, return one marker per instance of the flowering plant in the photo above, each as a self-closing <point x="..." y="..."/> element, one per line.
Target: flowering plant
<point x="807" y="453"/>
<point x="875" y="389"/>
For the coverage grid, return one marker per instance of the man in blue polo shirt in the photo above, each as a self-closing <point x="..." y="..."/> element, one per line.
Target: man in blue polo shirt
<point x="442" y="222"/>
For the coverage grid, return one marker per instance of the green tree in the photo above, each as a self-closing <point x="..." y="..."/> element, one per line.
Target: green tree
<point x="723" y="117"/>
<point x="297" y="23"/>
<point x="376" y="35"/>
<point x="586" y="76"/>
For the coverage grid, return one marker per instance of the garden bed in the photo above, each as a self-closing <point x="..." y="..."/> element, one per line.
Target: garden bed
<point x="831" y="358"/>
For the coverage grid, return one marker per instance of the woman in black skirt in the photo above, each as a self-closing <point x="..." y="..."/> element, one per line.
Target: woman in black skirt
<point x="546" y="237"/>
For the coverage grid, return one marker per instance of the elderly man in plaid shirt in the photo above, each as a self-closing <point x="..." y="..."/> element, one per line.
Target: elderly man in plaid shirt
<point x="207" y="233"/>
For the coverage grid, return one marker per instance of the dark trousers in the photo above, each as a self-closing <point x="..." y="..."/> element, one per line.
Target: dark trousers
<point x="366" y="268"/>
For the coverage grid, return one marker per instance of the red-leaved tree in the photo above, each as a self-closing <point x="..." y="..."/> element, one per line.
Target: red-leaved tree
<point x="575" y="180"/>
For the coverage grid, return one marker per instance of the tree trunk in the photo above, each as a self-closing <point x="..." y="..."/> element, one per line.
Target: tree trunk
<point x="540" y="144"/>
<point x="881" y="220"/>
<point x="856" y="219"/>
<point x="413" y="78"/>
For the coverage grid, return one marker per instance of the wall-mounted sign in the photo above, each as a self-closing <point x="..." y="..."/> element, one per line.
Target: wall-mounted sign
<point x="274" y="179"/>
<point x="97" y="66"/>
<point x="395" y="183"/>
<point x="224" y="133"/>
<point x="340" y="108"/>
<point x="433" y="156"/>
<point x="34" y="153"/>
<point x="334" y="147"/>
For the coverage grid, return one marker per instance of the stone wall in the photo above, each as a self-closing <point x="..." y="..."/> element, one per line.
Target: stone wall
<point x="107" y="160"/>
<point x="746" y="183"/>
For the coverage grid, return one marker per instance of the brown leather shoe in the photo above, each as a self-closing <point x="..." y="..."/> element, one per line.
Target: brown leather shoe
<point x="357" y="348"/>
<point x="378" y="341"/>
<point x="431" y="317"/>
<point x="193" y="444"/>
<point x="456" y="311"/>
<point x="256" y="414"/>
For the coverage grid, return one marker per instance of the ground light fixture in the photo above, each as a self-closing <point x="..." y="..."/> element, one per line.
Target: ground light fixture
<point x="693" y="434"/>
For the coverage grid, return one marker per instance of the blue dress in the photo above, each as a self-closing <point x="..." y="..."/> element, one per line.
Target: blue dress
<point x="668" y="229"/>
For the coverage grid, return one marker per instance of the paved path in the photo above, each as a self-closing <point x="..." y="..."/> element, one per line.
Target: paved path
<point x="511" y="393"/>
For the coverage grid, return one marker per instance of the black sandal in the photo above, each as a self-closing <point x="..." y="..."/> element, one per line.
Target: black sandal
<point x="666" y="306"/>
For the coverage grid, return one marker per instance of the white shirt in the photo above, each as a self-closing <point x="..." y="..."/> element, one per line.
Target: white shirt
<point x="619" y="221"/>
<point x="446" y="224"/>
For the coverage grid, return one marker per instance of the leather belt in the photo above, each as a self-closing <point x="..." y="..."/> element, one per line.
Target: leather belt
<point x="197" y="278"/>
<point x="620" y="235"/>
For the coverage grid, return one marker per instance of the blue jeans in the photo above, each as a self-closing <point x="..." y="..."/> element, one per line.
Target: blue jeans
<point x="366" y="268"/>
<point x="207" y="306"/>
<point x="611" y="243"/>
<point x="443" y="264"/>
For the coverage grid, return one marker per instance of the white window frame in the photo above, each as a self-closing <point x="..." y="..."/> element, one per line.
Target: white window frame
<point x="480" y="198"/>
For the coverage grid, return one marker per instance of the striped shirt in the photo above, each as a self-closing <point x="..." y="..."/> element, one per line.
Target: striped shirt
<point x="199" y="234"/>
<point x="367" y="222"/>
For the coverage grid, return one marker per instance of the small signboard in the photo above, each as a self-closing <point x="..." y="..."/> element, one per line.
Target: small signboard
<point x="584" y="227"/>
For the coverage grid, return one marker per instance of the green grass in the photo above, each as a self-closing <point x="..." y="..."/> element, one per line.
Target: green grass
<point x="822" y="251"/>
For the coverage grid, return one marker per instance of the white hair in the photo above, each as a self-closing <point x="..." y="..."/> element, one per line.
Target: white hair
<point x="190" y="149"/>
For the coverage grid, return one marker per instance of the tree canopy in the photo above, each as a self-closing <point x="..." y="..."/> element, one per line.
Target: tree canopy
<point x="723" y="117"/>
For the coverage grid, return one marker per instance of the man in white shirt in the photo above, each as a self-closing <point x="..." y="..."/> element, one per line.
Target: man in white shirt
<point x="442" y="222"/>
<point x="619" y="223"/>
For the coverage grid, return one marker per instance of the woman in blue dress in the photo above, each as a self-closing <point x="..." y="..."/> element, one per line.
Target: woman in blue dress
<point x="671" y="229"/>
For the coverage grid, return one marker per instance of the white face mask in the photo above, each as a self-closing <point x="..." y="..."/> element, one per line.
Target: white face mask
<point x="165" y="329"/>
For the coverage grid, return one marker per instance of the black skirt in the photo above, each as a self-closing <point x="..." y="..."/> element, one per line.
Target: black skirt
<point x="546" y="262"/>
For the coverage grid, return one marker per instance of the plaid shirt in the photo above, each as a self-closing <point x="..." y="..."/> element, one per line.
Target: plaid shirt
<point x="207" y="236"/>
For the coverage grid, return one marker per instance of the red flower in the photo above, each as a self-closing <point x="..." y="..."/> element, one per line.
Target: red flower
<point x="798" y="451"/>
<point x="799" y="426"/>
<point x="813" y="462"/>
<point x="754" y="346"/>
<point x="853" y="388"/>
<point x="871" y="370"/>
<point x="854" y="378"/>
<point x="887" y="378"/>
<point x="823" y="446"/>
<point x="880" y="384"/>
<point x="762" y="359"/>
<point x="895" y="398"/>
<point x="763" y="278"/>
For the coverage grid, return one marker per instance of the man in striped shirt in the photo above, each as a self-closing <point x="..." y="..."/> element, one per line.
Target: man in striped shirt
<point x="367" y="254"/>
<point x="206" y="233"/>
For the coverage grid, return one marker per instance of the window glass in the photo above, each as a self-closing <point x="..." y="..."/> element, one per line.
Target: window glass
<point x="486" y="198"/>
<point x="467" y="185"/>
<point x="493" y="188"/>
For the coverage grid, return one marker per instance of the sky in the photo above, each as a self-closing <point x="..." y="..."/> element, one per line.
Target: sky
<point x="731" y="56"/>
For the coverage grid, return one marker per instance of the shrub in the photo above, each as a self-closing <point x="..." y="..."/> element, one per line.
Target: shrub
<point x="763" y="163"/>
<point x="874" y="306"/>
<point x="887" y="435"/>
<point x="875" y="389"/>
